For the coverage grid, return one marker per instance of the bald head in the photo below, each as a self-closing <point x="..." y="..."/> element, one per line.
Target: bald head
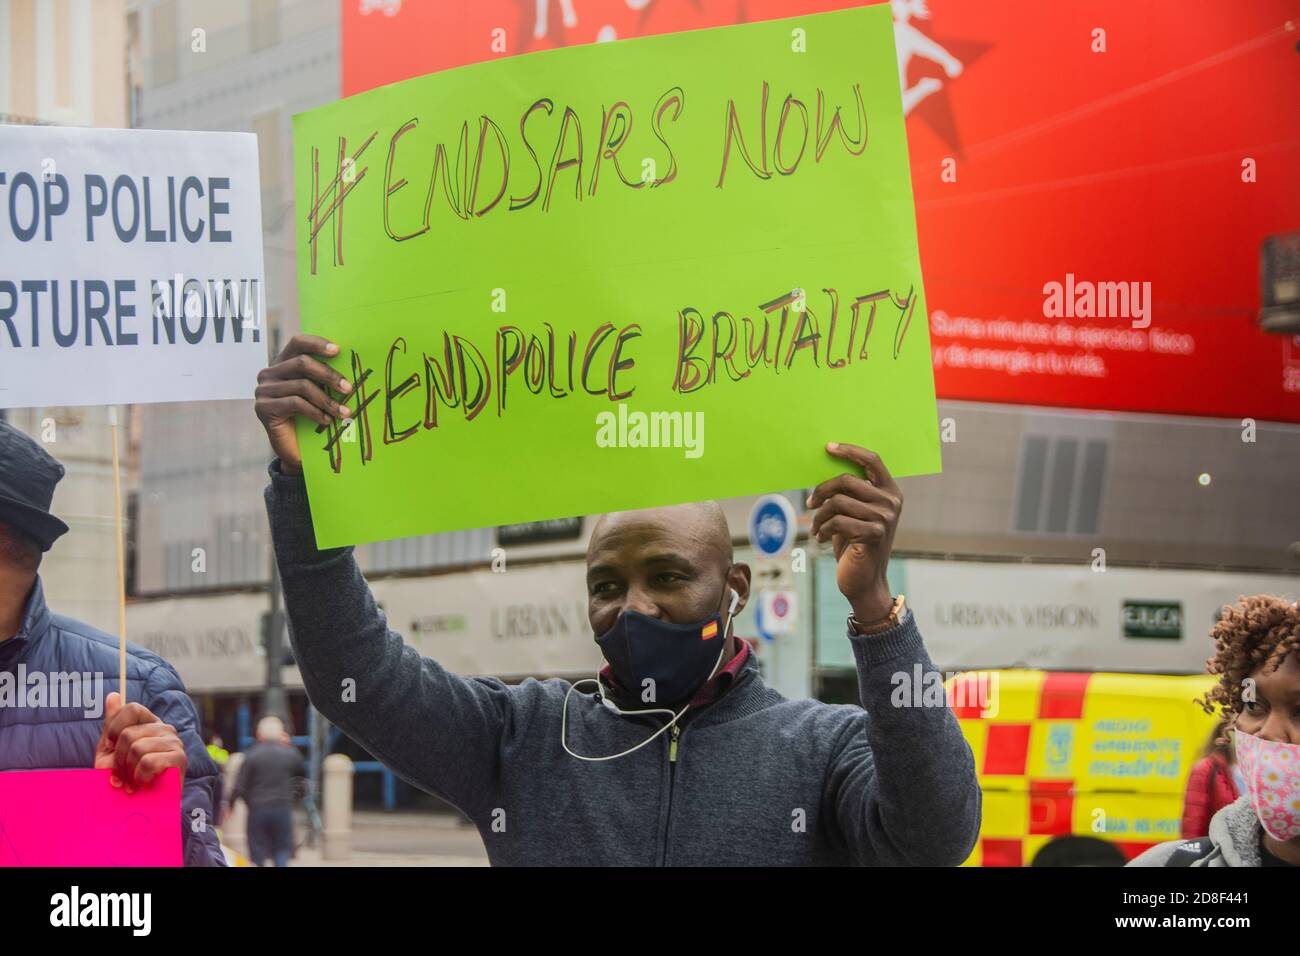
<point x="700" y="524"/>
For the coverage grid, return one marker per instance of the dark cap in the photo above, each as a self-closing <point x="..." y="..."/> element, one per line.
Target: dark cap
<point x="28" y="474"/>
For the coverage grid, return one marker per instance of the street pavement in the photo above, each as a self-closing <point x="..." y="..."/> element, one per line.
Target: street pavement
<point x="392" y="839"/>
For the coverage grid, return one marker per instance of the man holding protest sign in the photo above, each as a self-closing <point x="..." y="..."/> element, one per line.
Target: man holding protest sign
<point x="682" y="756"/>
<point x="53" y="670"/>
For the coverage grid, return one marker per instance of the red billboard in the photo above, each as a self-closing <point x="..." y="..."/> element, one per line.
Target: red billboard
<point x="1093" y="181"/>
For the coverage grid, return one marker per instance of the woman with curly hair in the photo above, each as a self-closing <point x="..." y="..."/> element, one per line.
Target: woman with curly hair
<point x="1257" y="658"/>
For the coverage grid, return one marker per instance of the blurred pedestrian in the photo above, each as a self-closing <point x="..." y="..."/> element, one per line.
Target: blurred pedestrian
<point x="217" y="749"/>
<point x="1257" y="658"/>
<point x="1213" y="783"/>
<point x="158" y="729"/>
<point x="220" y="756"/>
<point x="272" y="774"/>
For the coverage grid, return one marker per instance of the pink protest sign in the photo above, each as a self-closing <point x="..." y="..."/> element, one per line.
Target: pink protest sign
<point x="78" y="818"/>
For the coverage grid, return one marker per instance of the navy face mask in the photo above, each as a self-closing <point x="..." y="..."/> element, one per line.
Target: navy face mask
<point x="663" y="664"/>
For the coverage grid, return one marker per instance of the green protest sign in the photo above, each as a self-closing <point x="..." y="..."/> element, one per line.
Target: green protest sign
<point x="614" y="276"/>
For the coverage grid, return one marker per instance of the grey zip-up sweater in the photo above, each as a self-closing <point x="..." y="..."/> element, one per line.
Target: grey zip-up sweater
<point x="1235" y="831"/>
<point x="757" y="780"/>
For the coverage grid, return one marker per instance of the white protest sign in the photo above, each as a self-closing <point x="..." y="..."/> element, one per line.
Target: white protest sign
<point x="130" y="266"/>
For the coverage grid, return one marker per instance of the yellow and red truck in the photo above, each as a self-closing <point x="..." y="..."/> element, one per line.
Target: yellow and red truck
<point x="1079" y="768"/>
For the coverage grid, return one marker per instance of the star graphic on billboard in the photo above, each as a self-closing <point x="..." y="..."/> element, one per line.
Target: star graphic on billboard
<point x="557" y="20"/>
<point x="929" y="64"/>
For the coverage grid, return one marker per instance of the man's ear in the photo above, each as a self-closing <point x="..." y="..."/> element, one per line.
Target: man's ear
<point x="738" y="580"/>
<point x="19" y="550"/>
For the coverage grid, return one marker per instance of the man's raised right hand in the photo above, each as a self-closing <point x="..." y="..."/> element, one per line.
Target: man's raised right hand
<point x="292" y="387"/>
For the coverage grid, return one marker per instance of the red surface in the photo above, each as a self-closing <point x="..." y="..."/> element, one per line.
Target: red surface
<point x="966" y="693"/>
<point x="1062" y="696"/>
<point x="1006" y="749"/>
<point x="1123" y="166"/>
<point x="1051" y="806"/>
<point x="1002" y="852"/>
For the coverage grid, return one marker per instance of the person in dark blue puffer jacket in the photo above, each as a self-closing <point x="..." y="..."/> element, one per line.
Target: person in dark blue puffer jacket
<point x="157" y="729"/>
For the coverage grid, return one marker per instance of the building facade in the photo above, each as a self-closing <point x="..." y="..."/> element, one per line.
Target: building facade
<point x="62" y="63"/>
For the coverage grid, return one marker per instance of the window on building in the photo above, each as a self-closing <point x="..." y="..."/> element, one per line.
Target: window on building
<point x="265" y="24"/>
<point x="166" y="52"/>
<point x="267" y="127"/>
<point x="132" y="546"/>
<point x="133" y="76"/>
<point x="1060" y="484"/>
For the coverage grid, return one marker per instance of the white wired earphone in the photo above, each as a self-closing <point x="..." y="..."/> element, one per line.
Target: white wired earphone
<point x="600" y="689"/>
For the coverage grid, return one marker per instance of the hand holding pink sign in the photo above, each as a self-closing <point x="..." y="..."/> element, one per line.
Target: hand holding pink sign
<point x="136" y="745"/>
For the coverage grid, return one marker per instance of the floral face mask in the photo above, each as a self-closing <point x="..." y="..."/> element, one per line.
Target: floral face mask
<point x="1272" y="772"/>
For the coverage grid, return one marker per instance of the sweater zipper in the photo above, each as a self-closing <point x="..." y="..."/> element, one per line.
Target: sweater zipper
<point x="672" y="779"/>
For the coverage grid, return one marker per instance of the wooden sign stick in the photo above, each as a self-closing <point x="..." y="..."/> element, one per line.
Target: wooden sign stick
<point x="121" y="561"/>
